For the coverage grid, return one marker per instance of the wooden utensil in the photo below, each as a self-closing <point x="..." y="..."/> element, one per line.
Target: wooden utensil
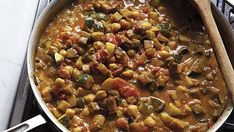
<point x="204" y="8"/>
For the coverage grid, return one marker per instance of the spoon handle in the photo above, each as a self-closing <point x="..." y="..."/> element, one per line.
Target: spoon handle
<point x="204" y="8"/>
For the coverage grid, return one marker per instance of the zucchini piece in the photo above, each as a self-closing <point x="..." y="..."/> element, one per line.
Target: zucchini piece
<point x="58" y="58"/>
<point x="165" y="28"/>
<point x="157" y="103"/>
<point x="82" y="78"/>
<point x="97" y="36"/>
<point x="64" y="119"/>
<point x="145" y="108"/>
<point x="110" y="47"/>
<point x="89" y="22"/>
<point x="173" y="122"/>
<point x="102" y="16"/>
<point x="72" y="53"/>
<point x="80" y="102"/>
<point x="173" y="110"/>
<point x="93" y="107"/>
<point x="97" y="122"/>
<point x="116" y="17"/>
<point x="197" y="109"/>
<point x="98" y="26"/>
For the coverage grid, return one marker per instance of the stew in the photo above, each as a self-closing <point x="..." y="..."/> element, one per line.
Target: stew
<point x="129" y="65"/>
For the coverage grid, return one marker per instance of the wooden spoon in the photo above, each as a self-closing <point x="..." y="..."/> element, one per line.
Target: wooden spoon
<point x="204" y="8"/>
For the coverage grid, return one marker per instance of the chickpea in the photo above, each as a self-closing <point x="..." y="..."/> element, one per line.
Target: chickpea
<point x="59" y="82"/>
<point x="131" y="53"/>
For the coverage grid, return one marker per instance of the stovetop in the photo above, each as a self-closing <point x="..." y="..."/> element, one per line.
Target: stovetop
<point x="26" y="106"/>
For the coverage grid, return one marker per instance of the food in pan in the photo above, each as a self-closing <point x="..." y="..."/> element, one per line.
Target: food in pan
<point x="129" y="65"/>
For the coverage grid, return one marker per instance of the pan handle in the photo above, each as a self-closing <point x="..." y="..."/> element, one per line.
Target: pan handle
<point x="28" y="125"/>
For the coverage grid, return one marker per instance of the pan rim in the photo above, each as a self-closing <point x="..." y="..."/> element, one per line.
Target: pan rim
<point x="34" y="38"/>
<point x="43" y="18"/>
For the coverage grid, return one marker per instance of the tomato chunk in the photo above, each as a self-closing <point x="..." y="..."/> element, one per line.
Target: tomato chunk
<point x="125" y="89"/>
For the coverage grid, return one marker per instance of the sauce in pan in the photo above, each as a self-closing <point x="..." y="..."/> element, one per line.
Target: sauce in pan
<point x="129" y="65"/>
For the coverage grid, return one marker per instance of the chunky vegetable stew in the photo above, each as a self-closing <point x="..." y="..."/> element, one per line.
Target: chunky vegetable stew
<point x="129" y="65"/>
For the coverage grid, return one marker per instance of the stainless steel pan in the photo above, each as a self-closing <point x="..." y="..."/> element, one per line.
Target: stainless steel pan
<point x="57" y="5"/>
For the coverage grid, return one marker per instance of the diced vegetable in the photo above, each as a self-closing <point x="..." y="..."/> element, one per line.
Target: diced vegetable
<point x="85" y="112"/>
<point x="150" y="34"/>
<point x="85" y="68"/>
<point x="115" y="17"/>
<point x="149" y="121"/>
<point x="148" y="44"/>
<point x="63" y="105"/>
<point x="79" y="63"/>
<point x="110" y="48"/>
<point x="103" y="69"/>
<point x="102" y="16"/>
<point x="97" y="36"/>
<point x="145" y="108"/>
<point x="58" y="58"/>
<point x="98" y="45"/>
<point x="56" y="112"/>
<point x="81" y="91"/>
<point x="173" y="110"/>
<point x="197" y="68"/>
<point x="70" y="112"/>
<point x="164" y="54"/>
<point x="172" y="45"/>
<point x="80" y="102"/>
<point x="72" y="100"/>
<point x="63" y="52"/>
<point x="115" y="27"/>
<point x="188" y="81"/>
<point x="64" y="119"/>
<point x="173" y="122"/>
<point x="101" y="94"/>
<point x="111" y="104"/>
<point x="125" y="88"/>
<point x="46" y="94"/>
<point x="165" y="28"/>
<point x="133" y="110"/>
<point x="153" y="15"/>
<point x="107" y="84"/>
<point x="69" y="89"/>
<point x="125" y="24"/>
<point x="89" y="98"/>
<point x="197" y="109"/>
<point x="145" y="25"/>
<point x="172" y="94"/>
<point x="131" y="53"/>
<point x="128" y="73"/>
<point x="162" y="38"/>
<point x="85" y="80"/>
<point x="142" y="59"/>
<point x="97" y="122"/>
<point x="59" y="82"/>
<point x="72" y="53"/>
<point x="157" y="103"/>
<point x="93" y="107"/>
<point x="89" y="22"/>
<point x="144" y="78"/>
<point x="98" y="26"/>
